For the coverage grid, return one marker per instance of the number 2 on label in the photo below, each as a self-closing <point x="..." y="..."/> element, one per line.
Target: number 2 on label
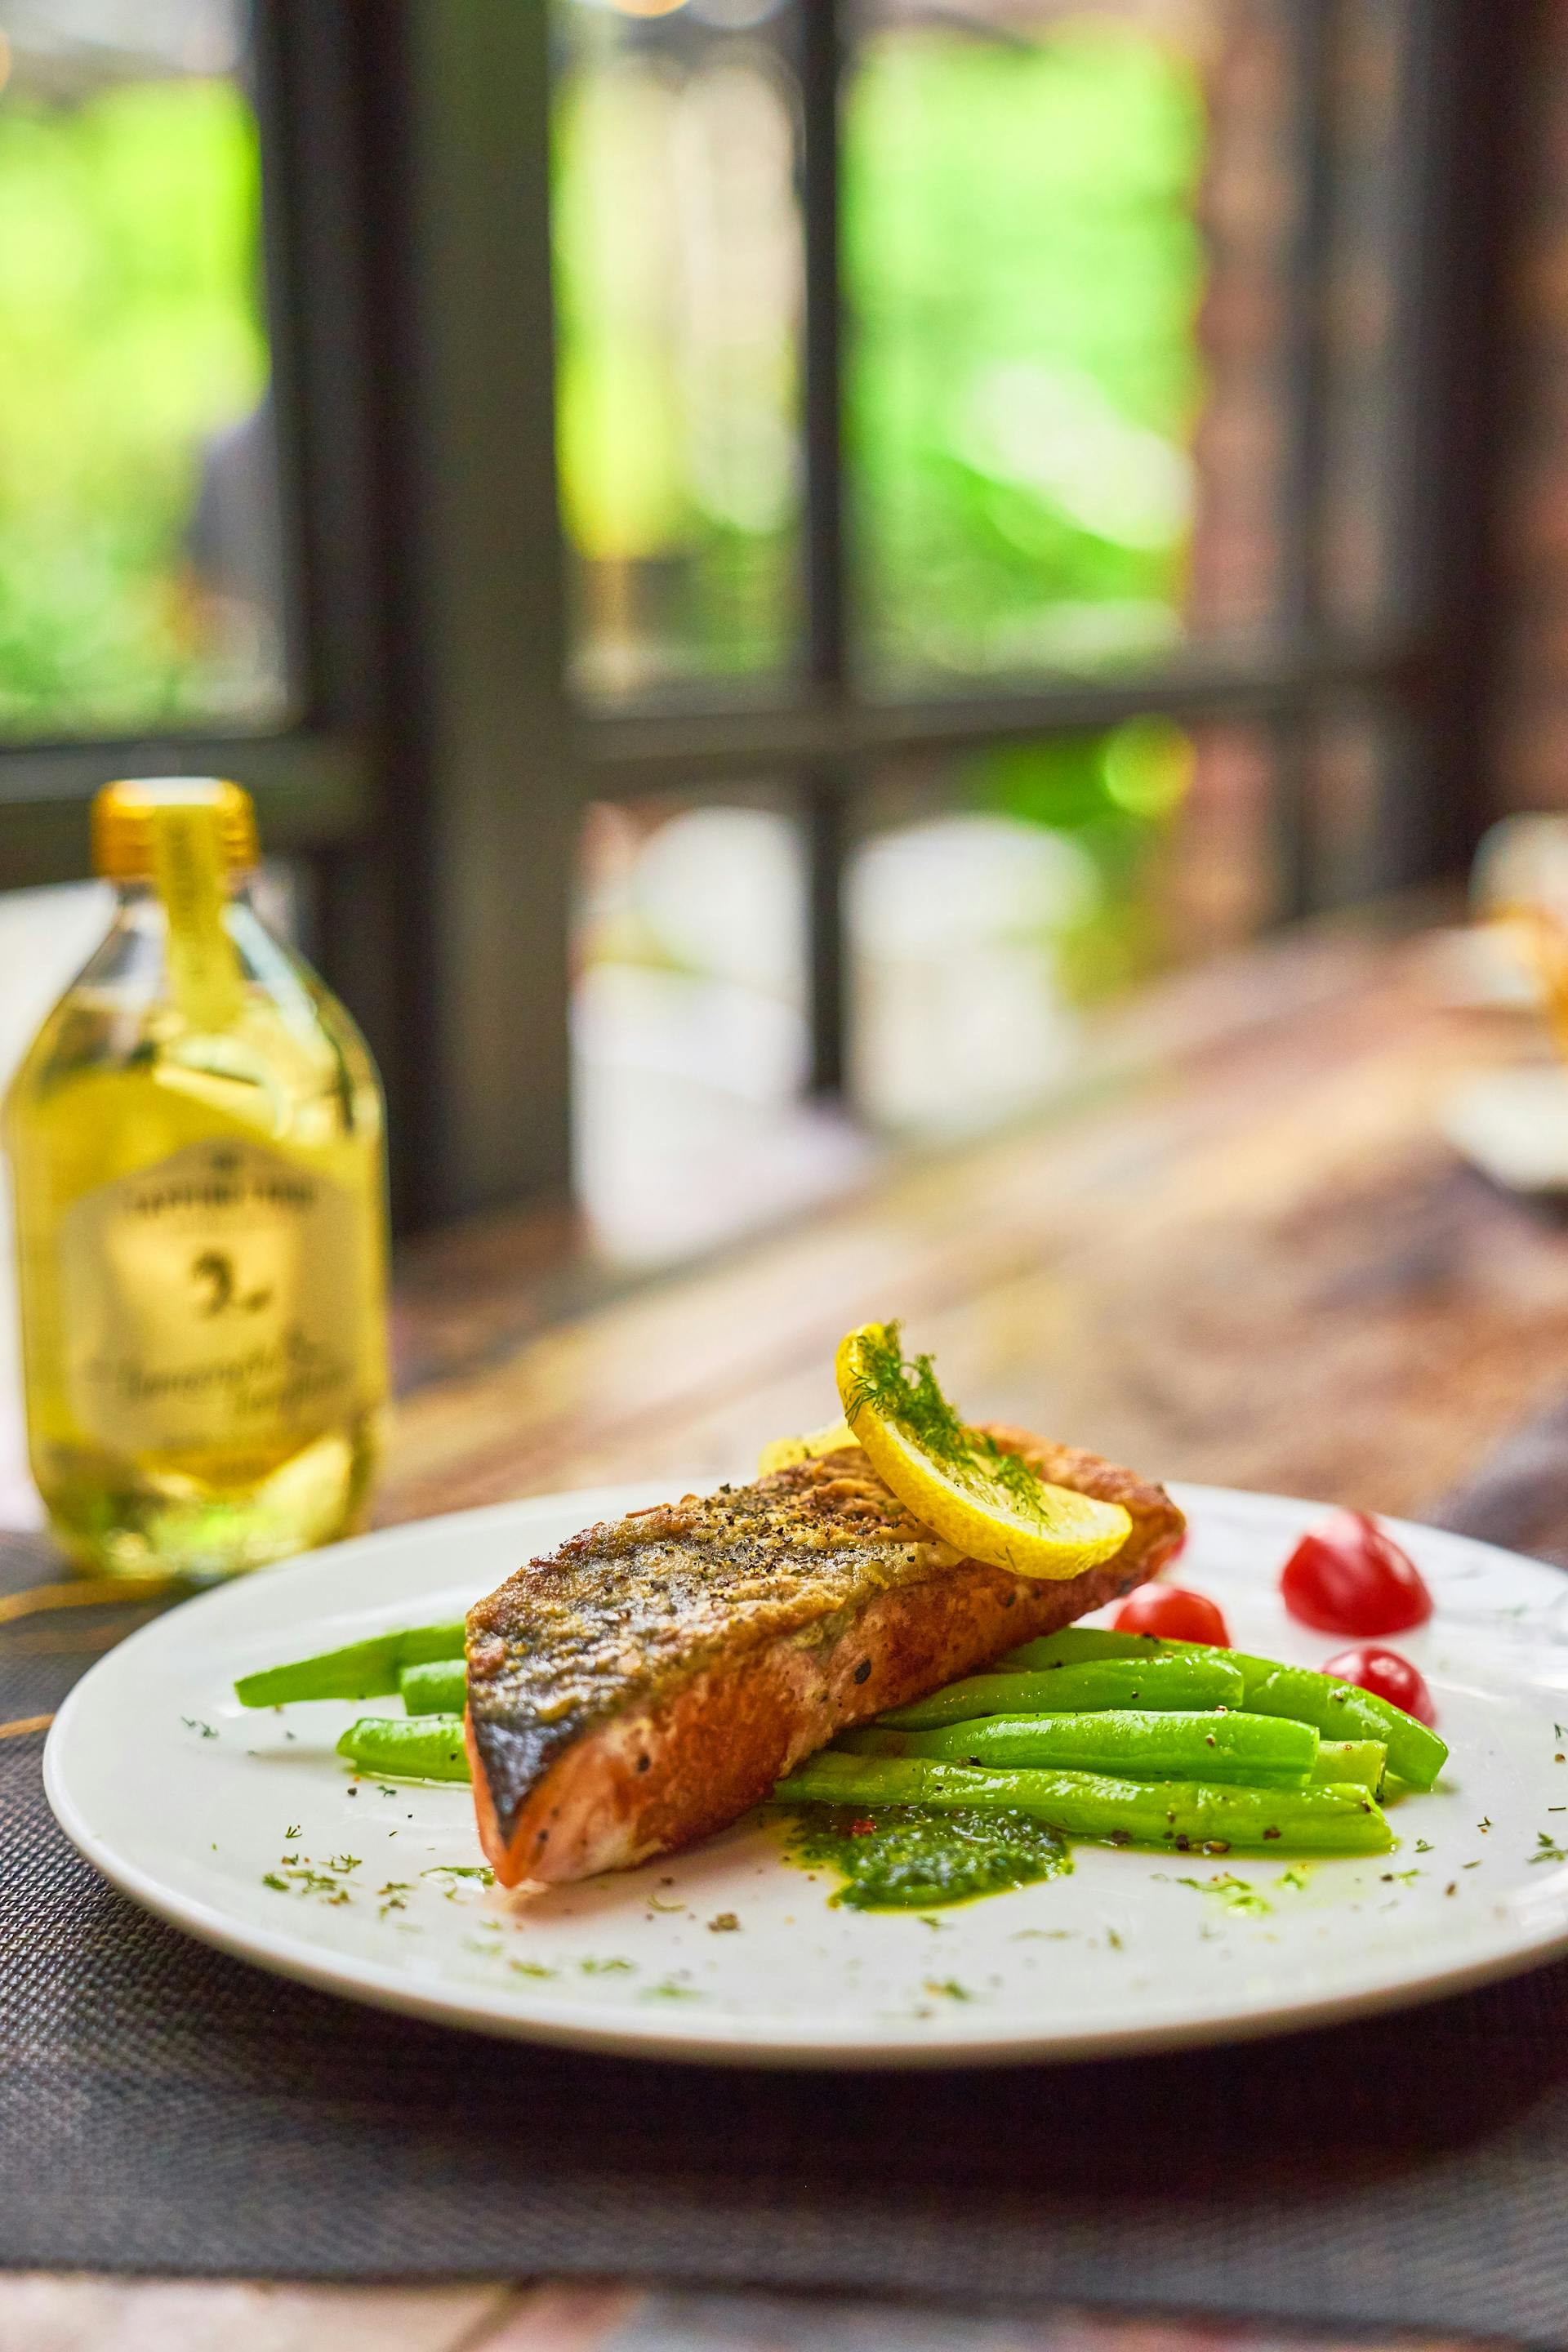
<point x="215" y="1271"/>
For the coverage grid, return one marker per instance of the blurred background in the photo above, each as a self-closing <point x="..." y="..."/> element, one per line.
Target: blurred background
<point x="763" y="558"/>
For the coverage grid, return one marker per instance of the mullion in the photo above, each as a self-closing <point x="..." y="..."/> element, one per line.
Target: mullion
<point x="1311" y="33"/>
<point x="1464" y="189"/>
<point x="276" y="93"/>
<point x="312" y="792"/>
<point x="827" y="782"/>
<point x="821" y="69"/>
<point x="666" y="749"/>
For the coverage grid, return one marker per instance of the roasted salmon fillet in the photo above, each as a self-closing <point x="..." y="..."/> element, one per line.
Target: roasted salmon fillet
<point x="655" y="1676"/>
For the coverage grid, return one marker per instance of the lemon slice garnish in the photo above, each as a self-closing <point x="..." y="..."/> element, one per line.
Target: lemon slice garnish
<point x="987" y="1504"/>
<point x="786" y="1450"/>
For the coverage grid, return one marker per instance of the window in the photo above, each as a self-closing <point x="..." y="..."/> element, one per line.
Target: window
<point x="654" y="494"/>
<point x="141" y="558"/>
<point x="678" y="289"/>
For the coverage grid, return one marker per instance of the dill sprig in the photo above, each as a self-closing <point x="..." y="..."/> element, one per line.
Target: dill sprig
<point x="905" y="1390"/>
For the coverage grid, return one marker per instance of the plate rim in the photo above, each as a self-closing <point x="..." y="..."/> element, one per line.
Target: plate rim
<point x="693" y="2041"/>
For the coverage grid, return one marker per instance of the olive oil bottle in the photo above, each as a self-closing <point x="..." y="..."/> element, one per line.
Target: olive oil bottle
<point x="197" y="1156"/>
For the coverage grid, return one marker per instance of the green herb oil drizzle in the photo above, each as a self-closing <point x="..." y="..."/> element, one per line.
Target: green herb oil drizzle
<point x="905" y="1858"/>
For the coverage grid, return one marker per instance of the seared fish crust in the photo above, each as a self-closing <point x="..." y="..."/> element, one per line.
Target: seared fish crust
<point x="651" y="1679"/>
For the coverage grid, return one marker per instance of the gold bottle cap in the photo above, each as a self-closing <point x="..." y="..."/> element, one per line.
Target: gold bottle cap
<point x="123" y="822"/>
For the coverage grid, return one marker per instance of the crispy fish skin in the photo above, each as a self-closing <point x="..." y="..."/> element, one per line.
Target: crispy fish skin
<point x="646" y="1683"/>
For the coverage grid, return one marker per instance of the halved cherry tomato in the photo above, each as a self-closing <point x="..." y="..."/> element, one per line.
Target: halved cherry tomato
<point x="1346" y="1576"/>
<point x="1175" y="1615"/>
<point x="1387" y="1675"/>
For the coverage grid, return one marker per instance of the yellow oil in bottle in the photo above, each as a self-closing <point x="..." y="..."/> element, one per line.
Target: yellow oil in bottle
<point x="197" y="1156"/>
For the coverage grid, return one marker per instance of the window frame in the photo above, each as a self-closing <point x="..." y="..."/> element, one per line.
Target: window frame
<point x="435" y="772"/>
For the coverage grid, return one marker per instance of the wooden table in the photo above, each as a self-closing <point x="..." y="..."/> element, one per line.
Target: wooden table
<point x="1240" y="1252"/>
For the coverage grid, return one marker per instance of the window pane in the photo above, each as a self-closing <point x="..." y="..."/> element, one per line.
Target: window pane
<point x="677" y="275"/>
<point x="140" y="560"/>
<point x="1064" y="236"/>
<point x="1363" y="776"/>
<point x="990" y="904"/>
<point x="689" y="1030"/>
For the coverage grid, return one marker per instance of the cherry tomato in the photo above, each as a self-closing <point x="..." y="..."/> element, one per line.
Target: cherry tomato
<point x="1175" y="1615"/>
<point x="1346" y="1576"/>
<point x="1387" y="1675"/>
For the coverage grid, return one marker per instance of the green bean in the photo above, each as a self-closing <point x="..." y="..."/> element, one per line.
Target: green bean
<point x="1078" y="1646"/>
<point x="1082" y="1644"/>
<point x="407" y="1747"/>
<point x="1179" y="1813"/>
<point x="422" y="1643"/>
<point x="366" y="1669"/>
<point x="1073" y="1690"/>
<point x="1339" y="1710"/>
<point x="1259" y="1750"/>
<point x="441" y="1687"/>
<point x="1348" y="1763"/>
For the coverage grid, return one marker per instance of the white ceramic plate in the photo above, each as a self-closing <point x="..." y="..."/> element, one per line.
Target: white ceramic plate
<point x="190" y="1805"/>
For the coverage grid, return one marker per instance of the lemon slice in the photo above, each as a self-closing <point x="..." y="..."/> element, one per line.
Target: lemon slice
<point x="987" y="1504"/>
<point x="786" y="1450"/>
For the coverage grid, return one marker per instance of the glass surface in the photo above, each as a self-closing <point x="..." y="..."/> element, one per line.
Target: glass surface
<point x="990" y="904"/>
<point x="1211" y="880"/>
<point x="1024" y="273"/>
<point x="196" y="1140"/>
<point x="689" y="1030"/>
<point x="140" y="541"/>
<point x="1057" y="225"/>
<point x="678" y="294"/>
<point x="1365" y="778"/>
<point x="46" y="937"/>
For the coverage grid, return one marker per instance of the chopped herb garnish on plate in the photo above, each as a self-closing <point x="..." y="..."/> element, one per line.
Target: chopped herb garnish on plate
<point x="1238" y="1895"/>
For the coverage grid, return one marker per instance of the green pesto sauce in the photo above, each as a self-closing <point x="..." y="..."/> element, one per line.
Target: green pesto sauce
<point x="914" y="1860"/>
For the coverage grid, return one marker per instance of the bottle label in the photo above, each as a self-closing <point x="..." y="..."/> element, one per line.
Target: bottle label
<point x="221" y="1300"/>
<point x="188" y="864"/>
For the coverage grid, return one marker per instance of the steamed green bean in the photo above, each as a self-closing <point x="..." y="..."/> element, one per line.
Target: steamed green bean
<point x="1182" y="1814"/>
<point x="368" y="1669"/>
<point x="1338" y="1710"/>
<point x="1151" y="1682"/>
<point x="438" y="1687"/>
<point x="408" y="1746"/>
<point x="1259" y="1750"/>
<point x="1350" y="1763"/>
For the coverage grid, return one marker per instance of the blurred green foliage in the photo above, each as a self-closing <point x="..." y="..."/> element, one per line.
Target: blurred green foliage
<point x="1025" y="268"/>
<point x="1022" y="268"/>
<point x="1114" y="794"/>
<point x="129" y="321"/>
<point x="1024" y="271"/>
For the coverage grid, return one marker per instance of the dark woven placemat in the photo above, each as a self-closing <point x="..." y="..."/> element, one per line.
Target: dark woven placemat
<point x="165" y="2109"/>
